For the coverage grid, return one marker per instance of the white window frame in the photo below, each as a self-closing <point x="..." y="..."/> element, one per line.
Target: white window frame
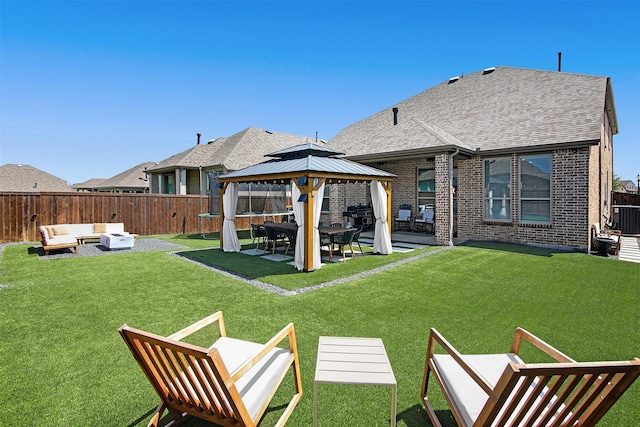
<point x="500" y="203"/>
<point x="548" y="198"/>
<point x="425" y="201"/>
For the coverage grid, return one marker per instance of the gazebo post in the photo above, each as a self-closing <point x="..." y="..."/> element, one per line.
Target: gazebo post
<point x="223" y="188"/>
<point x="387" y="188"/>
<point x="308" y="226"/>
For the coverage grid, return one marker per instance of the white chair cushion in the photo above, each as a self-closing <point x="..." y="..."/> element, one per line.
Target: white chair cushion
<point x="256" y="384"/>
<point x="470" y="398"/>
<point x="465" y="392"/>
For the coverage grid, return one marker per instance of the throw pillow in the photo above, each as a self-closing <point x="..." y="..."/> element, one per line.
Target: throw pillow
<point x="58" y="231"/>
<point x="49" y="232"/>
<point x="100" y="228"/>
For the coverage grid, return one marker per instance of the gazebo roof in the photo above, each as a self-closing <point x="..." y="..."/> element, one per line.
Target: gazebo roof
<point x="304" y="150"/>
<point x="306" y="159"/>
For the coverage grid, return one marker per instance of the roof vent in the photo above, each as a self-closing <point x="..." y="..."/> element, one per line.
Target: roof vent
<point x="454" y="79"/>
<point x="488" y="70"/>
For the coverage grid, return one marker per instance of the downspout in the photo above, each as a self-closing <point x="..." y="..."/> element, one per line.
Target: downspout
<point x="451" y="189"/>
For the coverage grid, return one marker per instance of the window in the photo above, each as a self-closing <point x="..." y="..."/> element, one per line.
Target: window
<point x="427" y="187"/>
<point x="497" y="189"/>
<point x="535" y="189"/>
<point x="325" y="199"/>
<point x="169" y="182"/>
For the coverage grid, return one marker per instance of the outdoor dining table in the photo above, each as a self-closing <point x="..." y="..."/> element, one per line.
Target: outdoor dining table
<point x="325" y="230"/>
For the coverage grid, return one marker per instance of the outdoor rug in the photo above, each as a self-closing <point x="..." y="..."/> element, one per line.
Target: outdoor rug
<point x="96" y="249"/>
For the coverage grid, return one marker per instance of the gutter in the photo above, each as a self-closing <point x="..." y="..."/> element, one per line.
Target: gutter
<point x="455" y="153"/>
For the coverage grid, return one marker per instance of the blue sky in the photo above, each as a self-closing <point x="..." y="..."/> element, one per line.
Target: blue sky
<point x="89" y="89"/>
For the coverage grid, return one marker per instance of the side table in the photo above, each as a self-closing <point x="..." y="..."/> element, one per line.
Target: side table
<point x="344" y="360"/>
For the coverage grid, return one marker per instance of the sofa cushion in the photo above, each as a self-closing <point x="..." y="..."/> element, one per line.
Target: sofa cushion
<point x="100" y="228"/>
<point x="62" y="239"/>
<point x="58" y="230"/>
<point x="49" y="232"/>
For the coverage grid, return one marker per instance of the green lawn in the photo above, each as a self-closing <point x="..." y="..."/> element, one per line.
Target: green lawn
<point x="62" y="361"/>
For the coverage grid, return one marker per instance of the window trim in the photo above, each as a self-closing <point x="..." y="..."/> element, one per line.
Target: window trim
<point x="524" y="199"/>
<point x="509" y="197"/>
<point x="435" y="192"/>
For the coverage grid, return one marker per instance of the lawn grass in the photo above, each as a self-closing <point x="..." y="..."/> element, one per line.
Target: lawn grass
<point x="63" y="362"/>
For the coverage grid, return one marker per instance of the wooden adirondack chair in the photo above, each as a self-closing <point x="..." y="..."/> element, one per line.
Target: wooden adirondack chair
<point x="230" y="384"/>
<point x="502" y="390"/>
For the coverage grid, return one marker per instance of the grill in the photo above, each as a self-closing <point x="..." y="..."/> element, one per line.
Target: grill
<point x="360" y="215"/>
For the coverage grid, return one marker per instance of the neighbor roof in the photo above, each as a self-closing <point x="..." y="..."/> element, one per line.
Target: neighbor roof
<point x="235" y="152"/>
<point x="133" y="178"/>
<point x="28" y="179"/>
<point x="500" y="108"/>
<point x="89" y="184"/>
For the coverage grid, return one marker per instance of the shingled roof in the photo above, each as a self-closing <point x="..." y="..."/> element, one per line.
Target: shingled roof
<point x="499" y="108"/>
<point x="28" y="179"/>
<point x="235" y="152"/>
<point x="131" y="179"/>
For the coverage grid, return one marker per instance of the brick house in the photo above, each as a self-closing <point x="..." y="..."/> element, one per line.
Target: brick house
<point x="506" y="154"/>
<point x="186" y="172"/>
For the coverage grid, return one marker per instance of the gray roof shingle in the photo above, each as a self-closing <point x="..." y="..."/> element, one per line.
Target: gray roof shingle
<point x="240" y="150"/>
<point x="133" y="178"/>
<point x="498" y="109"/>
<point x="28" y="179"/>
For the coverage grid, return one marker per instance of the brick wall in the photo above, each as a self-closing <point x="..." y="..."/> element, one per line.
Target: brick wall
<point x="570" y="203"/>
<point x="574" y="177"/>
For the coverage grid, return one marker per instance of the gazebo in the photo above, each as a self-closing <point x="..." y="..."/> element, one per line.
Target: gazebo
<point x="307" y="168"/>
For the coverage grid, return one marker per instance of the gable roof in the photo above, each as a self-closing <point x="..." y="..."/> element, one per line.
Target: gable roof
<point x="89" y="184"/>
<point x="240" y="150"/>
<point x="133" y="178"/>
<point x="28" y="179"/>
<point x="499" y="108"/>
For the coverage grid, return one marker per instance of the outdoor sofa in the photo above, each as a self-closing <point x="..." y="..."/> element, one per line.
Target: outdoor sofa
<point x="69" y="236"/>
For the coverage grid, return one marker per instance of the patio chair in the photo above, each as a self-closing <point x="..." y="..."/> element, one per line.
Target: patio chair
<point x="292" y="236"/>
<point x="615" y="235"/>
<point x="259" y="234"/>
<point x="502" y="390"/>
<point x="273" y="236"/>
<point x="356" y="236"/>
<point x="230" y="383"/>
<point x="327" y="241"/>
<point x="403" y="221"/>
<point x="426" y="221"/>
<point x="343" y="240"/>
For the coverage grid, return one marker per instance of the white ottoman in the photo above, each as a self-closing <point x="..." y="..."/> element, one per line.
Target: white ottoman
<point x="116" y="241"/>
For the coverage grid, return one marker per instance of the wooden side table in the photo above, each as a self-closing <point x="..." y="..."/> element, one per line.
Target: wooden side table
<point x="353" y="361"/>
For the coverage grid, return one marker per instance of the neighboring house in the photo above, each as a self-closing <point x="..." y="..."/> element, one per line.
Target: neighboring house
<point x="186" y="172"/>
<point x="88" y="186"/>
<point x="27" y="179"/>
<point x="507" y="154"/>
<point x="628" y="186"/>
<point x="133" y="180"/>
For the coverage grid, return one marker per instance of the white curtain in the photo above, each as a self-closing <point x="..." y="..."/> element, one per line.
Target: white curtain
<point x="381" y="238"/>
<point x="298" y="212"/>
<point x="230" y="236"/>
<point x="317" y="207"/>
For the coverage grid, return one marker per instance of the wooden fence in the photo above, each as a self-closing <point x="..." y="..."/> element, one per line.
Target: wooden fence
<point x="625" y="199"/>
<point x="144" y="214"/>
